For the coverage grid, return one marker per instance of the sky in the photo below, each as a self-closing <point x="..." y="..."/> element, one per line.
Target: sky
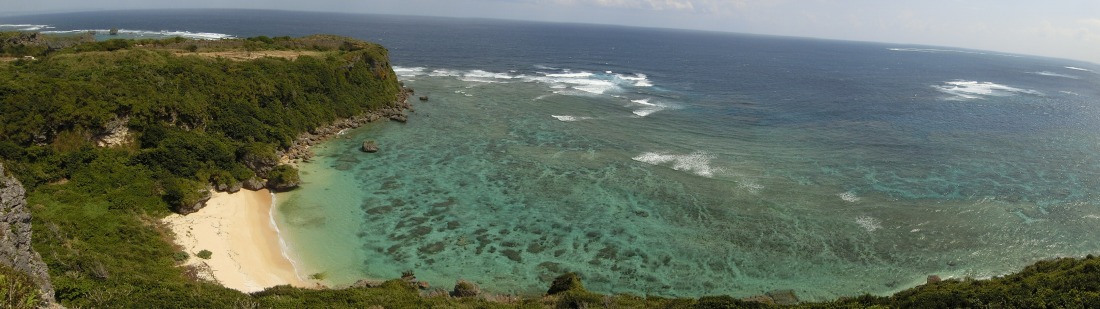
<point x="1054" y="28"/>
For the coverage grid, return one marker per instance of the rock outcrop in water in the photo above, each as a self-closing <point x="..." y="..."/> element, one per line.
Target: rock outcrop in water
<point x="15" y="236"/>
<point x="370" y="146"/>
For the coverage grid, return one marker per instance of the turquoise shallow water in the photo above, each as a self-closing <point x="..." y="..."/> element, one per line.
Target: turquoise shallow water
<point x="705" y="163"/>
<point x="489" y="182"/>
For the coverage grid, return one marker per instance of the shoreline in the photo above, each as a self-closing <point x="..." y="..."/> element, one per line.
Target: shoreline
<point x="248" y="253"/>
<point x="299" y="149"/>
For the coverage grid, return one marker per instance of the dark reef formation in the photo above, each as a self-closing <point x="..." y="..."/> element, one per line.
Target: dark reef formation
<point x="15" y="235"/>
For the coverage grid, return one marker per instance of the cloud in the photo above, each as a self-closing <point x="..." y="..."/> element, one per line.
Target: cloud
<point x="704" y="6"/>
<point x="656" y="5"/>
<point x="1085" y="30"/>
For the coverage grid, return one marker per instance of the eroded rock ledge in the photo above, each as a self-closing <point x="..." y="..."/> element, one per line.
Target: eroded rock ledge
<point x="15" y="236"/>
<point x="300" y="149"/>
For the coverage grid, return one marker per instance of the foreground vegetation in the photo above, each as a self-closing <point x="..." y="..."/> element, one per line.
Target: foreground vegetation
<point x="181" y="118"/>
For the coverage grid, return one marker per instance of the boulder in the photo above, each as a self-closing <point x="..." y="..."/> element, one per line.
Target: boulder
<point x="370" y="146"/>
<point x="399" y="118"/>
<point x="783" y="297"/>
<point x="254" y="184"/>
<point x="465" y="288"/>
<point x="283" y="178"/>
<point x="204" y="196"/>
<point x="933" y="279"/>
<point x="234" y="188"/>
<point x="423" y="98"/>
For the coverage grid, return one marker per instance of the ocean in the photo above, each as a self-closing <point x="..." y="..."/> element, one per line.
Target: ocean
<point x="682" y="163"/>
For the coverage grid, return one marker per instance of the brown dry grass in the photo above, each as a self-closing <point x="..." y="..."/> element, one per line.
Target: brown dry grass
<point x="247" y="55"/>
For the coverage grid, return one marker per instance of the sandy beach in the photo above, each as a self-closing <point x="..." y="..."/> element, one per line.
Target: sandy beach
<point x="237" y="229"/>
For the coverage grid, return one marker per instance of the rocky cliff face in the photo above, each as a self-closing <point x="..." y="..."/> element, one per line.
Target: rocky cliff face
<point x="15" y="235"/>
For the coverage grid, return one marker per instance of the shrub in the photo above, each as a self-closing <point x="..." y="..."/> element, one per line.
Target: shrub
<point x="283" y="177"/>
<point x="17" y="290"/>
<point x="568" y="282"/>
<point x="204" y="254"/>
<point x="725" y="302"/>
<point x="180" y="256"/>
<point x="465" y="288"/>
<point x="576" y="299"/>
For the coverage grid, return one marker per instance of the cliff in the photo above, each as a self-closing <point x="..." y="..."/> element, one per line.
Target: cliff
<point x="15" y="236"/>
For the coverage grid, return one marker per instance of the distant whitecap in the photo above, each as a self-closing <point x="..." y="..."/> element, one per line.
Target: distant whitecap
<point x="869" y="223"/>
<point x="698" y="163"/>
<point x="961" y="90"/>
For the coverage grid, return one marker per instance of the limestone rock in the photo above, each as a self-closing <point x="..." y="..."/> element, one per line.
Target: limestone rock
<point x="370" y="146"/>
<point x="784" y="297"/>
<point x="234" y="188"/>
<point x="465" y="288"/>
<point x="254" y="184"/>
<point x="115" y="133"/>
<point x="200" y="204"/>
<point x="15" y="236"/>
<point x="399" y="118"/>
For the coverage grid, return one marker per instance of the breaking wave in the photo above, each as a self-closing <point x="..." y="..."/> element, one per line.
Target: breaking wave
<point x="1048" y="73"/>
<point x="698" y="163"/>
<point x="645" y="107"/>
<point x="569" y="81"/>
<point x="961" y="90"/>
<point x="849" y="196"/>
<point x="23" y="27"/>
<point x="869" y="223"/>
<point x="126" y="33"/>
<point x="568" y="118"/>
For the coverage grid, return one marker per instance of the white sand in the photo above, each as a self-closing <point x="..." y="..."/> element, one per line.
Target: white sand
<point x="238" y="230"/>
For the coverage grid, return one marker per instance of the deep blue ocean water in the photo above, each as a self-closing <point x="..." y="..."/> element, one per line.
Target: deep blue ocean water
<point x="683" y="163"/>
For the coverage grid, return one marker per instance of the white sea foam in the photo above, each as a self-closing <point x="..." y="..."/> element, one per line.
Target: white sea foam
<point x="849" y="196"/>
<point x="1079" y="69"/>
<point x="409" y="72"/>
<point x="488" y="75"/>
<point x="869" y="223"/>
<point x="638" y="80"/>
<point x="750" y="186"/>
<point x="969" y="90"/>
<point x="1070" y="93"/>
<point x="698" y="163"/>
<point x="24" y="27"/>
<point x="934" y="51"/>
<point x="1048" y="73"/>
<point x="646" y="108"/>
<point x="577" y="82"/>
<point x="445" y="73"/>
<point x="155" y="34"/>
<point x="571" y="75"/>
<point x="568" y="118"/>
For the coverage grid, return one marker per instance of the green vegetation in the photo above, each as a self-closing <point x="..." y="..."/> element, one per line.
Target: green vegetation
<point x="17" y="290"/>
<point x="180" y="256"/>
<point x="204" y="254"/>
<point x="465" y="288"/>
<point x="196" y="119"/>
